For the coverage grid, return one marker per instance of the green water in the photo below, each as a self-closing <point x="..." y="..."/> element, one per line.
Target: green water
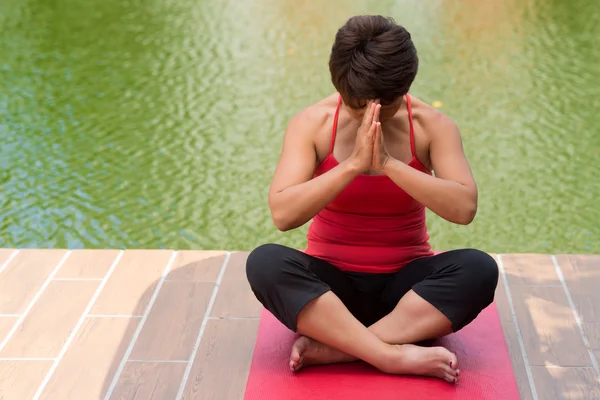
<point x="154" y="124"/>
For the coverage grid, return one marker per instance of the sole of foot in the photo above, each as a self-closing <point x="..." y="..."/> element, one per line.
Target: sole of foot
<point x="306" y="351"/>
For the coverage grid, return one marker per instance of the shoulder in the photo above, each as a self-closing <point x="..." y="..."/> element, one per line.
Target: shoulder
<point x="313" y="119"/>
<point x="433" y="123"/>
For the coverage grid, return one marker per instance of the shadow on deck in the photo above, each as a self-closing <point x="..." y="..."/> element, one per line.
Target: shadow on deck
<point x="154" y="324"/>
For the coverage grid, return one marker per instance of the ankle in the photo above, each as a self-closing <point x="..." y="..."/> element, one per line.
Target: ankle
<point x="388" y="358"/>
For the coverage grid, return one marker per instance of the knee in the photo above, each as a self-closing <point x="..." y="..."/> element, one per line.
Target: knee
<point x="263" y="266"/>
<point x="483" y="269"/>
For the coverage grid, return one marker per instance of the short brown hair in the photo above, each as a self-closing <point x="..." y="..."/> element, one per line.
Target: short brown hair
<point x="372" y="58"/>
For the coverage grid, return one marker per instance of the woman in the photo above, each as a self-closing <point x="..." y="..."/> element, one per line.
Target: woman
<point x="359" y="164"/>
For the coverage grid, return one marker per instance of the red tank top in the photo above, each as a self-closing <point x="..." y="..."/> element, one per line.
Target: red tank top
<point x="372" y="225"/>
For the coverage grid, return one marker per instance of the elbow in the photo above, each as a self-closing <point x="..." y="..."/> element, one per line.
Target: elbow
<point x="466" y="215"/>
<point x="283" y="226"/>
<point x="284" y="218"/>
<point x="282" y="222"/>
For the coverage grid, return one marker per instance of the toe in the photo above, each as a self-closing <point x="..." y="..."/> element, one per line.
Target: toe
<point x="453" y="362"/>
<point x="295" y="365"/>
<point x="295" y="356"/>
<point x="450" y="378"/>
<point x="449" y="371"/>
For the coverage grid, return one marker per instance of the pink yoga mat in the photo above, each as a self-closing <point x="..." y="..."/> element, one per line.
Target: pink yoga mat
<point x="486" y="371"/>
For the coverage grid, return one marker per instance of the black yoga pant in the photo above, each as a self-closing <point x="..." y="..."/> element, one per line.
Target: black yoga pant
<point x="459" y="283"/>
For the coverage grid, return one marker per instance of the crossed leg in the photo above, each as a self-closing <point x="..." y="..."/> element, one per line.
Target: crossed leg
<point x="332" y="333"/>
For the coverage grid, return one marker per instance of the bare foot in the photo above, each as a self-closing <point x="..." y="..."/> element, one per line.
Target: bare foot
<point x="306" y="351"/>
<point x="406" y="359"/>
<point x="428" y="361"/>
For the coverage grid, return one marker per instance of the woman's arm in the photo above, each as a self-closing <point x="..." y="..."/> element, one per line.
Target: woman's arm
<point x="295" y="197"/>
<point x="452" y="192"/>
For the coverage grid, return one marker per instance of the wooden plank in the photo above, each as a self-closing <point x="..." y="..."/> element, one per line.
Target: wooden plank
<point x="554" y="383"/>
<point x="516" y="358"/>
<point x="222" y="364"/>
<point x="548" y="327"/>
<point x="5" y="255"/>
<point x="235" y="298"/>
<point x="24" y="277"/>
<point x="197" y="266"/>
<point x="49" y="323"/>
<point x="132" y="283"/>
<point x="529" y="269"/>
<point x="149" y="381"/>
<point x="592" y="331"/>
<point x="173" y="324"/>
<point x="501" y="300"/>
<point x="20" y="379"/>
<point x="87" y="264"/>
<point x="6" y="324"/>
<point x="594" y="339"/>
<point x="582" y="277"/>
<point x="91" y="361"/>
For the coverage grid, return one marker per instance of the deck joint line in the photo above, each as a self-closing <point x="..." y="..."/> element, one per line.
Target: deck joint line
<point x="211" y="303"/>
<point x="77" y="327"/>
<point x="9" y="259"/>
<point x="138" y="330"/>
<point x="114" y="316"/>
<point x="518" y="329"/>
<point x="37" y="296"/>
<point x="77" y="279"/>
<point x="158" y="361"/>
<point x="543" y="285"/>
<point x="562" y="367"/>
<point x="586" y="342"/>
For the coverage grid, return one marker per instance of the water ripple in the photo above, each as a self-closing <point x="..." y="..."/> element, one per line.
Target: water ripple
<point x="158" y="124"/>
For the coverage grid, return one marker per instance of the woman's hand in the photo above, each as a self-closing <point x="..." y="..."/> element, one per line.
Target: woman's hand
<point x="362" y="156"/>
<point x="380" y="153"/>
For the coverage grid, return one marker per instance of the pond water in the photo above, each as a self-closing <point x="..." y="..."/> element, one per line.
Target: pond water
<point x="157" y="124"/>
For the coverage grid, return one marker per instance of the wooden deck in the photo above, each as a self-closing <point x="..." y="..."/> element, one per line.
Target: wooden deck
<point x="157" y="324"/>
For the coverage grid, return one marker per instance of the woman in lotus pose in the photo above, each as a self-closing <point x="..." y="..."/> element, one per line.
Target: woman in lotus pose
<point x="363" y="164"/>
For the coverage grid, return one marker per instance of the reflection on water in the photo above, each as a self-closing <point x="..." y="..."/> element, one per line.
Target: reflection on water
<point x="158" y="123"/>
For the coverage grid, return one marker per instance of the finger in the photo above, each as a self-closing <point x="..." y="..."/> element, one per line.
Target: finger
<point x="373" y="131"/>
<point x="376" y="112"/>
<point x="378" y="134"/>
<point x="368" y="117"/>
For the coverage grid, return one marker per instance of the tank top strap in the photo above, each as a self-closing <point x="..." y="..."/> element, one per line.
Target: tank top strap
<point x="412" y="128"/>
<point x="335" y="124"/>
